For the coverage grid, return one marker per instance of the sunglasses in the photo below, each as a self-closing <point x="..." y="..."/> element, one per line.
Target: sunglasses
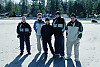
<point x="72" y="18"/>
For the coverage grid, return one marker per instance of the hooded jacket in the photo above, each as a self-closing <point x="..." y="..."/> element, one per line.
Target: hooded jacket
<point x="37" y="26"/>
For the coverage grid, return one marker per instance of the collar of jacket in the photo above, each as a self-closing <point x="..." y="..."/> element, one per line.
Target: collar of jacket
<point x="58" y="18"/>
<point x="74" y="21"/>
<point x="22" y="22"/>
<point x="47" y="24"/>
<point x="39" y="21"/>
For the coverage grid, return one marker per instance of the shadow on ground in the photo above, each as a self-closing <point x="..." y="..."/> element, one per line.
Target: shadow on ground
<point x="71" y="64"/>
<point x="17" y="62"/>
<point x="42" y="62"/>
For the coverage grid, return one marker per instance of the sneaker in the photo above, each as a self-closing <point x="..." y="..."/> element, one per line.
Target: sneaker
<point x="54" y="56"/>
<point x="62" y="57"/>
<point x="29" y="53"/>
<point x="76" y="59"/>
<point x="39" y="52"/>
<point x="45" y="55"/>
<point x="68" y="58"/>
<point x="21" y="53"/>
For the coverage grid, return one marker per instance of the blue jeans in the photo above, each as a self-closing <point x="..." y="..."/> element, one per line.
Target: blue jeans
<point x="27" y="41"/>
<point x="45" y="46"/>
<point x="59" y="45"/>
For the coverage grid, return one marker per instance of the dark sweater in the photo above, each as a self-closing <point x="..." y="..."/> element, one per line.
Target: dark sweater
<point x="46" y="32"/>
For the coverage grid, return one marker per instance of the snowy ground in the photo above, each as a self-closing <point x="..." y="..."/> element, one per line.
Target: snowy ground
<point x="9" y="48"/>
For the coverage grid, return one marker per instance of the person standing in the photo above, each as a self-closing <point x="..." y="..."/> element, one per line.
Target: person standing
<point x="37" y="27"/>
<point x="74" y="31"/>
<point x="59" y="28"/>
<point x="46" y="33"/>
<point x="24" y="32"/>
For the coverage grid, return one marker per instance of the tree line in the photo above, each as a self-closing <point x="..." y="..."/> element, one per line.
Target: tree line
<point x="82" y="8"/>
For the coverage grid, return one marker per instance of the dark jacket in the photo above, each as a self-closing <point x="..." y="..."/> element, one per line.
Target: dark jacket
<point x="59" y="26"/>
<point x="73" y="27"/>
<point x="46" y="32"/>
<point x="23" y="30"/>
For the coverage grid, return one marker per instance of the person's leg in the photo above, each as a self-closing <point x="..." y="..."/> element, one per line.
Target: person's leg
<point x="45" y="47"/>
<point x="69" y="48"/>
<point x="76" y="49"/>
<point x="51" y="48"/>
<point x="61" y="45"/>
<point x="56" y="45"/>
<point x="21" y="45"/>
<point x="27" y="41"/>
<point x="38" y="43"/>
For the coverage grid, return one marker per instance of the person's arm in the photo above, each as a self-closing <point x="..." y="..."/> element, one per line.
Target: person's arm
<point x="34" y="27"/>
<point x="80" y="31"/>
<point x="30" y="29"/>
<point x="42" y="32"/>
<point x="64" y="27"/>
<point x="51" y="31"/>
<point x="18" y="30"/>
<point x="67" y="30"/>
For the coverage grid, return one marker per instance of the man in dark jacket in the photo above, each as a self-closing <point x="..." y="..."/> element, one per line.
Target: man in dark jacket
<point x="46" y="33"/>
<point x="59" y="28"/>
<point x="24" y="32"/>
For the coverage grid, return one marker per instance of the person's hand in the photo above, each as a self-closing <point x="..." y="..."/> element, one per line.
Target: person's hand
<point x="18" y="36"/>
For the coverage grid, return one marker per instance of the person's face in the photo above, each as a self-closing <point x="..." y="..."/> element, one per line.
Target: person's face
<point x="73" y="19"/>
<point x="57" y="16"/>
<point x="39" y="17"/>
<point x="47" y="21"/>
<point x="23" y="20"/>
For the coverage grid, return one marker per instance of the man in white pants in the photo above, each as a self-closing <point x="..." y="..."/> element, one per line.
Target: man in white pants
<point x="74" y="31"/>
<point x="37" y="27"/>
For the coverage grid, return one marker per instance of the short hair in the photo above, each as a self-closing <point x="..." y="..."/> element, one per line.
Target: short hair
<point x="47" y="18"/>
<point x="57" y="12"/>
<point x="39" y="14"/>
<point x="23" y="17"/>
<point x="73" y="15"/>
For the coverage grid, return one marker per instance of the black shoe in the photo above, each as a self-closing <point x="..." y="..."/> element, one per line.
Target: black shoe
<point x="29" y="53"/>
<point x="45" y="55"/>
<point x="62" y="57"/>
<point x="21" y="53"/>
<point x="54" y="55"/>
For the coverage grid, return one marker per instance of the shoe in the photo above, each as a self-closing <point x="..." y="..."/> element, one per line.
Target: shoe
<point x="45" y="55"/>
<point x="54" y="56"/>
<point x="39" y="52"/>
<point x="62" y="57"/>
<point x="29" y="53"/>
<point x="68" y="58"/>
<point x="21" y="53"/>
<point x="76" y="59"/>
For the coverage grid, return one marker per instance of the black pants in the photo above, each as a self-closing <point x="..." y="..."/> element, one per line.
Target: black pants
<point x="27" y="42"/>
<point x="59" y="45"/>
<point x="45" y="46"/>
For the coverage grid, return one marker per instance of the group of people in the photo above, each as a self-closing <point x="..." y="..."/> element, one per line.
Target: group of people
<point x="45" y="31"/>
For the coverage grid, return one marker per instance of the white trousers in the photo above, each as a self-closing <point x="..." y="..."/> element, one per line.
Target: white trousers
<point x="70" y="44"/>
<point x="38" y="42"/>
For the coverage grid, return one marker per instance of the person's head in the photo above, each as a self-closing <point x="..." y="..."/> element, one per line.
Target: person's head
<point x="57" y="14"/>
<point x="23" y="19"/>
<point x="47" y="20"/>
<point x="73" y="17"/>
<point x="39" y="16"/>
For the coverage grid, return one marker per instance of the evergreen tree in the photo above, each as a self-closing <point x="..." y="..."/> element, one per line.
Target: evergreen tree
<point x="24" y="6"/>
<point x="10" y="8"/>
